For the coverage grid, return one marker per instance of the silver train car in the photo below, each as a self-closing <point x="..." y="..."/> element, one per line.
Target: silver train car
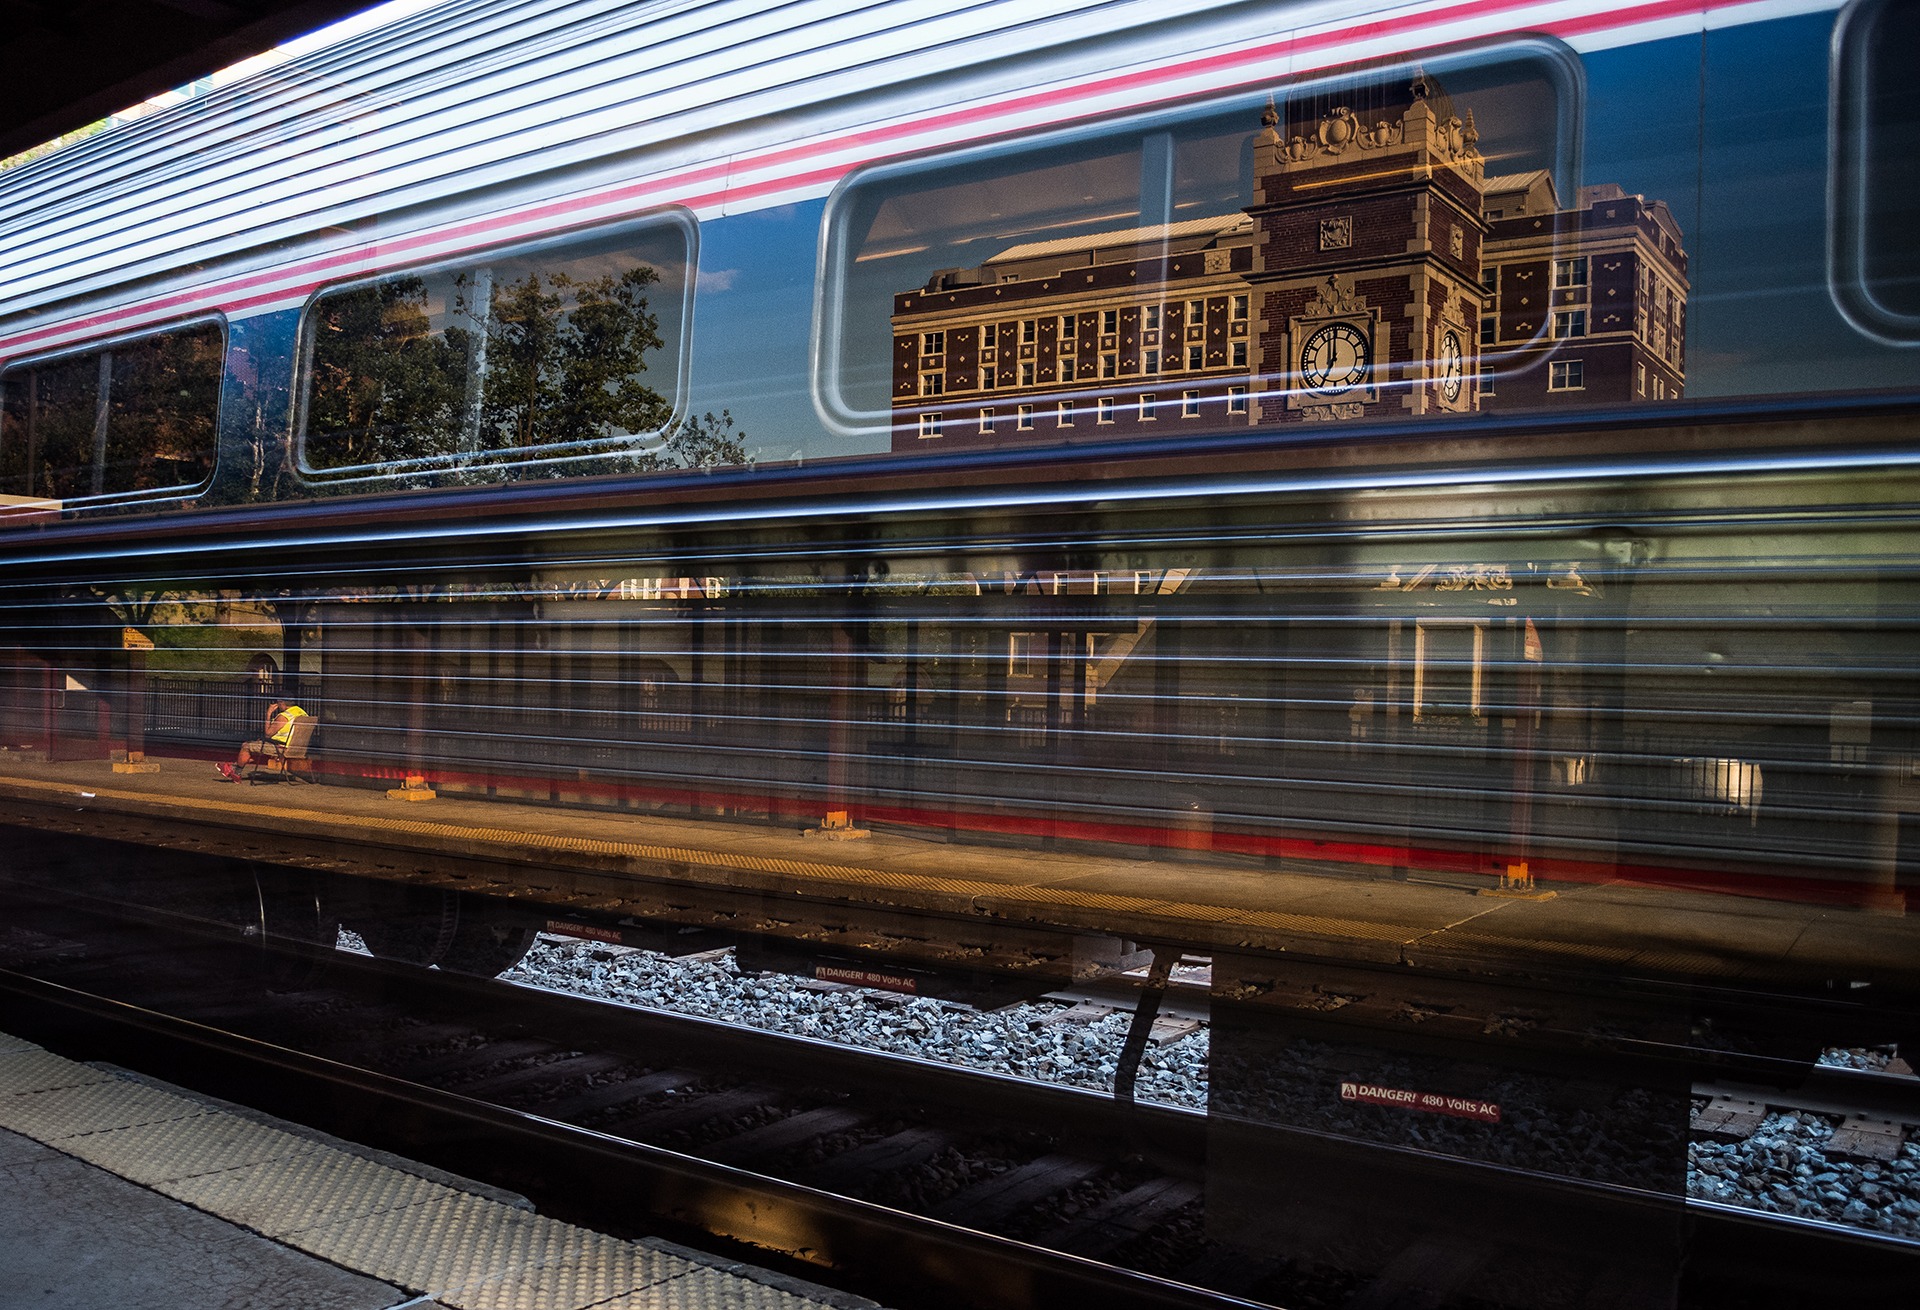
<point x="1445" y="440"/>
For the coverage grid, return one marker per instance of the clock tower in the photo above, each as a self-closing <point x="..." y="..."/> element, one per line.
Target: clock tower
<point x="1366" y="264"/>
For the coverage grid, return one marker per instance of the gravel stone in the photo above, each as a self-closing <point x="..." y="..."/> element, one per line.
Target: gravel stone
<point x="1012" y="1040"/>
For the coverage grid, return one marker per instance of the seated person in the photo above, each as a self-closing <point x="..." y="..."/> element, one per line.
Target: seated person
<point x="280" y="720"/>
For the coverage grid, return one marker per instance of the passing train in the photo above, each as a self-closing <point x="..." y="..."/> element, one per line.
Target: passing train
<point x="1444" y="439"/>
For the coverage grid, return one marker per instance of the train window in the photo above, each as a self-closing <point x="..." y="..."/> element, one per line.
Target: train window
<point x="1136" y="224"/>
<point x="1874" y="182"/>
<point x="135" y="417"/>
<point x="555" y="360"/>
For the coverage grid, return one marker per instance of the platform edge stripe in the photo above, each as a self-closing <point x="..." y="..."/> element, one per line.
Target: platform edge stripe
<point x="35" y="1069"/>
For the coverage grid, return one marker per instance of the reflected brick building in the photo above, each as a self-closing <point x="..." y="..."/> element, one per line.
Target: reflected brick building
<point x="1585" y="306"/>
<point x="1379" y="274"/>
<point x="1134" y="331"/>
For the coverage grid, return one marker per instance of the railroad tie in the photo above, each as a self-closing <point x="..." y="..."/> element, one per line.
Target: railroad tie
<point x="1862" y="1138"/>
<point x="1003" y="1196"/>
<point x="1729" y="1119"/>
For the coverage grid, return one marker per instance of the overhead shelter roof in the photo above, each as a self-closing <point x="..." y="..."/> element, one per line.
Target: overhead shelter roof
<point x="73" y="62"/>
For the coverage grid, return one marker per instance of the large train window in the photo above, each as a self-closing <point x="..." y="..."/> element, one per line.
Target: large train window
<point x="1241" y="255"/>
<point x="135" y="417"/>
<point x="560" y="359"/>
<point x="1874" y="182"/>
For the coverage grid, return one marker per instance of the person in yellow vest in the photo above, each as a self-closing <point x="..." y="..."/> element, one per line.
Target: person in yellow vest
<point x="279" y="729"/>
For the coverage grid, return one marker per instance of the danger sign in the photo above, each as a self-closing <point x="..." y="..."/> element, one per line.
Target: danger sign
<point x="1464" y="1107"/>
<point x="886" y="982"/>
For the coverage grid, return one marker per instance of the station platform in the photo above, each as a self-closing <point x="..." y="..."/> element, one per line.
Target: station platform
<point x="650" y="866"/>
<point x="117" y="1191"/>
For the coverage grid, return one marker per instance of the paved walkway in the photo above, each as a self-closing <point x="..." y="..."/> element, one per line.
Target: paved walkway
<point x="1780" y="930"/>
<point x="118" y="1192"/>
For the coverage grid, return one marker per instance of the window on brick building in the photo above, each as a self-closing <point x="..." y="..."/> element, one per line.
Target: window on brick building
<point x="1067" y="326"/>
<point x="1239" y="354"/>
<point x="933" y="343"/>
<point x="1066" y="413"/>
<point x="1240" y="304"/>
<point x="1189" y="404"/>
<point x="1152" y="361"/>
<point x="1149" y="407"/>
<point x="1150" y="318"/>
<point x="1489" y="329"/>
<point x="929" y="425"/>
<point x="988" y="333"/>
<point x="1490" y="279"/>
<point x="1029" y="331"/>
<point x="1196" y="357"/>
<point x="988" y="378"/>
<point x="1066" y="369"/>
<point x="1024" y="420"/>
<point x="1572" y="323"/>
<point x="1109" y="366"/>
<point x="1196" y="313"/>
<point x="1110" y="321"/>
<point x="1236" y="400"/>
<point x="1569" y="273"/>
<point x="1486" y="379"/>
<point x="1026" y="374"/>
<point x="1567" y="375"/>
<point x="933" y="384"/>
<point x="1106" y="410"/>
<point x="986" y="420"/>
<point x="1639" y="379"/>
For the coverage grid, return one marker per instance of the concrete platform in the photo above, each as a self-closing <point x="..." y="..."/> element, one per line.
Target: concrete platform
<point x="758" y="878"/>
<point x="117" y="1192"/>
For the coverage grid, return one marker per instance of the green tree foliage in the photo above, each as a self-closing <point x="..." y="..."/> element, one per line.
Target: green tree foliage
<point x="384" y="388"/>
<point x="564" y="360"/>
<point x="539" y="377"/>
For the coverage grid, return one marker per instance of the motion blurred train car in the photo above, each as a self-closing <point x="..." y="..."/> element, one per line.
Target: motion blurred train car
<point x="1443" y="441"/>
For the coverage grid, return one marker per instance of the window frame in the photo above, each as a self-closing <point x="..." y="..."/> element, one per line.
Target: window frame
<point x="843" y="222"/>
<point x="1570" y="274"/>
<point x="930" y="425"/>
<point x="679" y="369"/>
<point x="108" y="344"/>
<point x="1560" y="369"/>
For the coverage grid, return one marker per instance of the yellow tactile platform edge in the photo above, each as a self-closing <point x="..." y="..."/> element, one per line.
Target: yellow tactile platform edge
<point x="464" y="1251"/>
<point x="1052" y="896"/>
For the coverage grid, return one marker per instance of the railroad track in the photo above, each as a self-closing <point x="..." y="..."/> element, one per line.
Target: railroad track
<point x="1029" y="1172"/>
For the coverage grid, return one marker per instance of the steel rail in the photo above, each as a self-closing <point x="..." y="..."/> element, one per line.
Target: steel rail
<point x="886" y="1250"/>
<point x="859" y="1239"/>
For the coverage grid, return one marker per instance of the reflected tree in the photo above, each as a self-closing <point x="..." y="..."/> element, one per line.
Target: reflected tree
<point x="531" y="378"/>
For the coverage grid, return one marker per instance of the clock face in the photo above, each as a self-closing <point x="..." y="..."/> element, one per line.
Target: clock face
<point x="1450" y="366"/>
<point x="1335" y="359"/>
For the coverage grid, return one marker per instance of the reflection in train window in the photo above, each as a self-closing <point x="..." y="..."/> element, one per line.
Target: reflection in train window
<point x="1222" y="214"/>
<point x="1875" y="181"/>
<point x="557" y="361"/>
<point x="129" y="418"/>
